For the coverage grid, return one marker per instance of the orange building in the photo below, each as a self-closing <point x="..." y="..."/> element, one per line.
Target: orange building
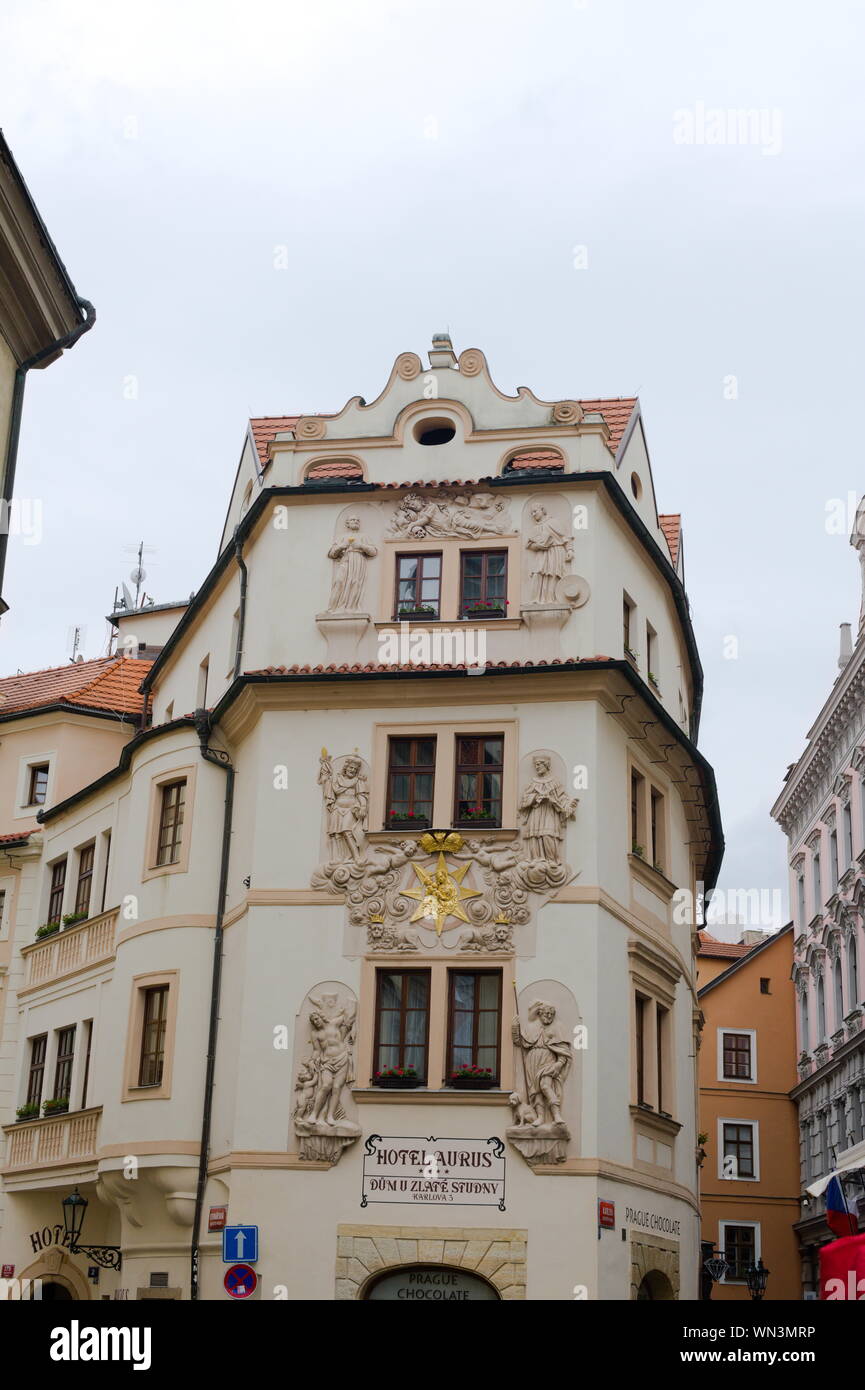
<point x="750" y="1175"/>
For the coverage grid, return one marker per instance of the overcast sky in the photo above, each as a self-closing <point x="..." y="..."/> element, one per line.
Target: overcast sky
<point x="429" y="166"/>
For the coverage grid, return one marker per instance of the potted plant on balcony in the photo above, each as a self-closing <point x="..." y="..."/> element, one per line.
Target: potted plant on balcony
<point x="427" y="611"/>
<point x="485" y="608"/>
<point x="72" y="918"/>
<point x="397" y="1078"/>
<point x="407" y="820"/>
<point x="471" y="1078"/>
<point x="58" y="1106"/>
<point x="47" y="929"/>
<point x="637" y="850"/>
<point x="28" y="1111"/>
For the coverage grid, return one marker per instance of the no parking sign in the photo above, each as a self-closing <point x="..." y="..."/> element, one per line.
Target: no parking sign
<point x="240" y="1281"/>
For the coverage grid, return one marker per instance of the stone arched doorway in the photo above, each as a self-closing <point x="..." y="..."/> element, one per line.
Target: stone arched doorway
<point x="53" y="1291"/>
<point x="429" y="1284"/>
<point x="654" y="1286"/>
<point x="60" y="1277"/>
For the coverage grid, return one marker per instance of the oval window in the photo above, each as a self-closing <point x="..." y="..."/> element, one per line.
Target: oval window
<point x="434" y="431"/>
<point x="430" y="1284"/>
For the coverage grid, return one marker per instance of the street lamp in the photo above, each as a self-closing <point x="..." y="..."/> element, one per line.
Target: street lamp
<point x="713" y="1268"/>
<point x="74" y="1208"/>
<point x="757" y="1276"/>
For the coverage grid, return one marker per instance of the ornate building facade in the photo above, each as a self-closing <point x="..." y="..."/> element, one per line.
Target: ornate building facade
<point x="394" y="970"/>
<point x="821" y="809"/>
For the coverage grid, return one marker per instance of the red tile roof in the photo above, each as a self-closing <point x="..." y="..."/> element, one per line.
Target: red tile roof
<point x="535" y="458"/>
<point x="337" y="468"/>
<point x="710" y="946"/>
<point x="19" y="838"/>
<point x="671" y="525"/>
<point x="107" y="682"/>
<point x="616" y="412"/>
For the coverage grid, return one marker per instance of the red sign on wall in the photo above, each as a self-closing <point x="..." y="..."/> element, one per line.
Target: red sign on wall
<point x="8" y="1272"/>
<point x="607" y="1215"/>
<point x="216" y="1218"/>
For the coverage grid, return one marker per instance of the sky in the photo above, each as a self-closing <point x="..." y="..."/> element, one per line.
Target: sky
<point x="267" y="203"/>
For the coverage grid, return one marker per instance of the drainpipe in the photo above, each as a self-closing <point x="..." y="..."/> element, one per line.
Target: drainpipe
<point x="221" y="760"/>
<point x="241" y="612"/>
<point x="67" y="341"/>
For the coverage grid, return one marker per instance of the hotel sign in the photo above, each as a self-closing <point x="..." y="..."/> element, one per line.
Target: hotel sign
<point x="434" y="1172"/>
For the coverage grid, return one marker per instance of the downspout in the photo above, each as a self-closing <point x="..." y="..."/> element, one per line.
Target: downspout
<point x="67" y="341"/>
<point x="241" y="612"/>
<point x="203" y="725"/>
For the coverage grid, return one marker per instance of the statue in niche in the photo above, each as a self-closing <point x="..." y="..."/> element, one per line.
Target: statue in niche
<point x="539" y="1132"/>
<point x="551" y="553"/>
<point x="319" y="1116"/>
<point x="351" y="555"/>
<point x="545" y="807"/>
<point x="346" y="800"/>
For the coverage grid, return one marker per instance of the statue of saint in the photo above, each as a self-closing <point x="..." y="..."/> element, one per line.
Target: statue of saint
<point x="351" y="555"/>
<point x="332" y="1037"/>
<point x="546" y="1059"/>
<point x="551" y="553"/>
<point x="346" y="799"/>
<point x="544" y="807"/>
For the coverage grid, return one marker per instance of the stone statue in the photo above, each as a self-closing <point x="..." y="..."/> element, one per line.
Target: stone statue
<point x="351" y="555"/>
<point x="545" y="807"/>
<point x="319" y="1116"/>
<point x="546" y="1057"/>
<point x="346" y="800"/>
<point x="551" y="552"/>
<point x="384" y="936"/>
<point x="496" y="936"/>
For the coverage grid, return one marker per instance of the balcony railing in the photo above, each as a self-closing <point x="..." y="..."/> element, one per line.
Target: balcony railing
<point x="88" y="943"/>
<point x="58" y="1140"/>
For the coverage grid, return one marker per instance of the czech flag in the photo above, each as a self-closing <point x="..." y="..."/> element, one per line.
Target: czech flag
<point x="838" y="1218"/>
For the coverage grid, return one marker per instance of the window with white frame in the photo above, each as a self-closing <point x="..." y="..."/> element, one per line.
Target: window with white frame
<point x="738" y="1150"/>
<point x="739" y="1244"/>
<point x="737" y="1054"/>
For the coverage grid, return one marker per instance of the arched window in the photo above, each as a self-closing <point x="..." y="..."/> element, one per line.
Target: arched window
<point x="852" y="973"/>
<point x="838" y="983"/>
<point x="821" y="1011"/>
<point x="804" y="1022"/>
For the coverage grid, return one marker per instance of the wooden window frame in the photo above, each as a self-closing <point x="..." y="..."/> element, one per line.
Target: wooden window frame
<point x="57" y="890"/>
<point x="421" y="556"/>
<point x="132" y="1089"/>
<point x="453" y="971"/>
<point x="64" y="1063"/>
<point x="150" y="868"/>
<point x="737" y="1224"/>
<point x="36" y="1068"/>
<point x="426" y="973"/>
<point x="35" y="771"/>
<point x="478" y="770"/>
<point x="410" y="770"/>
<point x="731" y="1032"/>
<point x="446" y="732"/>
<point x="84" y="885"/>
<point x="156" y="1055"/>
<point x="172" y="811"/>
<point x="724" y="1149"/>
<point x="485" y="556"/>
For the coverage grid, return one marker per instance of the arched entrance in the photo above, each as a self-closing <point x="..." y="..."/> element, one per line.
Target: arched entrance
<point x="53" y="1292"/>
<point x="655" y="1285"/>
<point x="429" y="1284"/>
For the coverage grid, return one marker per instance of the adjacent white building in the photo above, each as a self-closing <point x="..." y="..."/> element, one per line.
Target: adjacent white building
<point x="390" y="965"/>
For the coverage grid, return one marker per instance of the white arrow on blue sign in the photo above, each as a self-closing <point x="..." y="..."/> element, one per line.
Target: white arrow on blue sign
<point x="239" y="1243"/>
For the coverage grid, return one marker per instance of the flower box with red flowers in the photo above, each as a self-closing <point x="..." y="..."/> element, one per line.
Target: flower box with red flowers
<point x="471" y="1079"/>
<point x="397" y="1078"/>
<point x="398" y="820"/>
<point x="485" y="608"/>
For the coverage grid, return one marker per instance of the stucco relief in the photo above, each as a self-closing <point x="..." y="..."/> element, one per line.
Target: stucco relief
<point x="469" y="515"/>
<point x="322" y="1102"/>
<point x="411" y="895"/>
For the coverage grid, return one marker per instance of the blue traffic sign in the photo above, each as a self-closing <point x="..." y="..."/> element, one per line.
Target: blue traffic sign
<point x="239" y="1243"/>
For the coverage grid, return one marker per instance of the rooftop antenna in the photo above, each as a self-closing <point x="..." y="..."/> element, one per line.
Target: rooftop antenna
<point x="75" y="638"/>
<point x="138" y="574"/>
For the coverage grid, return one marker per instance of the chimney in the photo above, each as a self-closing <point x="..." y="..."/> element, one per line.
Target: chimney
<point x="846" y="648"/>
<point x="751" y="937"/>
<point x="442" y="353"/>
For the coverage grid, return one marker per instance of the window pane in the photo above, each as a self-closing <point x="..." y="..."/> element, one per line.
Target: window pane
<point x="391" y="990"/>
<point x="462" y="1057"/>
<point x="463" y="1028"/>
<point x="464" y="991"/>
<point x="415" y="1026"/>
<point x="493" y="750"/>
<point x="425" y="751"/>
<point x="487" y="1057"/>
<point x="389" y="1030"/>
<point x="408" y="566"/>
<point x="418" y="989"/>
<point x="432" y="567"/>
<point x="489" y="992"/>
